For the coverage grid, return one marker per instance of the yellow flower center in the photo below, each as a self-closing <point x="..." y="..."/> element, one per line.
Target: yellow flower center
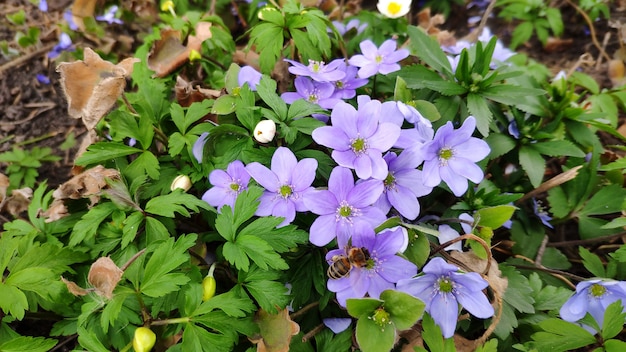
<point x="285" y="191"/>
<point x="394" y="8"/>
<point x="597" y="290"/>
<point x="445" y="285"/>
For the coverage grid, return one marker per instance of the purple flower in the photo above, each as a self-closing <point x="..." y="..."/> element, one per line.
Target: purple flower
<point x="227" y="185"/>
<point x="359" y="138"/>
<point x="542" y="213"/>
<point x="422" y="131"/>
<point x="43" y="78"/>
<point x="337" y="325"/>
<point x="403" y="184"/>
<point x="447" y="233"/>
<point x="198" y="147"/>
<point x="345" y="88"/>
<point x="69" y="18"/>
<point x="344" y="209"/>
<point x="318" y="70"/>
<point x="443" y="287"/>
<point x="65" y="44"/>
<point x="352" y="24"/>
<point x="249" y="75"/>
<point x="593" y="297"/>
<point x="382" y="269"/>
<point x="286" y="184"/>
<point x="381" y="60"/>
<point x="320" y="93"/>
<point x="109" y="16"/>
<point x="43" y="5"/>
<point x="451" y="157"/>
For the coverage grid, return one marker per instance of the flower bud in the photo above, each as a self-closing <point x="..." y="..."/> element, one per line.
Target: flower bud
<point x="144" y="339"/>
<point x="194" y="55"/>
<point x="168" y="6"/>
<point x="181" y="181"/>
<point x="209" y="285"/>
<point x="264" y="131"/>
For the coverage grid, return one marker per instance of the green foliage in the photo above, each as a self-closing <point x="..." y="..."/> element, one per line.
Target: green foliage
<point x="535" y="16"/>
<point x="22" y="165"/>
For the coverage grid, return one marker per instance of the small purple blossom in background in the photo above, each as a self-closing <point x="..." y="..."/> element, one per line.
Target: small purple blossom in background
<point x="344" y="209"/>
<point x="320" y="93"/>
<point x="593" y="297"/>
<point x="286" y="184"/>
<point x="43" y="5"/>
<point x="109" y="16"/>
<point x="69" y="18"/>
<point x="381" y="60"/>
<point x="382" y="271"/>
<point x="447" y="233"/>
<point x="403" y="184"/>
<point x="443" y="287"/>
<point x="452" y="155"/>
<point x="542" y="213"/>
<point x="359" y="138"/>
<point x="345" y="88"/>
<point x="499" y="56"/>
<point x="421" y="133"/>
<point x="352" y="24"/>
<point x="318" y="70"/>
<point x="248" y="74"/>
<point x="65" y="44"/>
<point x="337" y="325"/>
<point x="198" y="146"/>
<point x="227" y="185"/>
<point x="43" y="78"/>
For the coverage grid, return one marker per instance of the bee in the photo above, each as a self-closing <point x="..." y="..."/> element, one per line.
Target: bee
<point x="342" y="264"/>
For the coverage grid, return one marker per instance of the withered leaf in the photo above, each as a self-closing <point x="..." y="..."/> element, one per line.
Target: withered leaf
<point x="4" y="185"/>
<point x="86" y="184"/>
<point x="74" y="288"/>
<point x="187" y="94"/>
<point x="18" y="201"/>
<point x="92" y="86"/>
<point x="276" y="331"/>
<point x="82" y="9"/>
<point x="104" y="275"/>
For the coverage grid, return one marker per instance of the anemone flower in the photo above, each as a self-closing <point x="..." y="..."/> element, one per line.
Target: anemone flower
<point x="443" y="287"/>
<point x="286" y="184"/>
<point x="227" y="185"/>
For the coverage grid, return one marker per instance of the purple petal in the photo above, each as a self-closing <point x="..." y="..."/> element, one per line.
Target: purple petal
<point x="386" y="48"/>
<point x="365" y="193"/>
<point x="264" y="176"/>
<point x="466" y="169"/>
<point x="363" y="167"/>
<point x="283" y="164"/>
<point x="323" y="230"/>
<point x="331" y="137"/>
<point x="476" y="303"/>
<point x="341" y="183"/>
<point x="386" y="135"/>
<point x="304" y="174"/>
<point x="457" y="183"/>
<point x="445" y="310"/>
<point x="404" y="201"/>
<point x="337" y="325"/>
<point x="321" y="202"/>
<point x="346" y="158"/>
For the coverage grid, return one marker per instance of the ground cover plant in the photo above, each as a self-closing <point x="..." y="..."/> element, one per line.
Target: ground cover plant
<point x="318" y="177"/>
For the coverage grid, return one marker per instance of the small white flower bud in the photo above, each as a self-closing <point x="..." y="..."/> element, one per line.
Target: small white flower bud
<point x="264" y="131"/>
<point x="181" y="181"/>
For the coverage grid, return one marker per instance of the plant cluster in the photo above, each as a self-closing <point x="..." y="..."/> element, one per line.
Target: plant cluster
<point x="329" y="180"/>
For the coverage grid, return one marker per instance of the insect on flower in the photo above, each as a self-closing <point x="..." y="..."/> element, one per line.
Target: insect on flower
<point x="342" y="264"/>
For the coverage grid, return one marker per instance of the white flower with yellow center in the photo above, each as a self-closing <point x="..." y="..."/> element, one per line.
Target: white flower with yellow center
<point x="394" y="8"/>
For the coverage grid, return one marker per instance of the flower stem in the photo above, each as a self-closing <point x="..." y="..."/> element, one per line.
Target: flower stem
<point x="171" y="321"/>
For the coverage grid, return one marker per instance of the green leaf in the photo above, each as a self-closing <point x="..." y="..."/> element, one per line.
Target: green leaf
<point x="88" y="225"/>
<point x="404" y="309"/>
<point x="480" y="110"/>
<point x="146" y="163"/>
<point x="494" y="217"/>
<point x="198" y="339"/>
<point x="521" y="34"/>
<point x="261" y="253"/>
<point x="270" y="37"/>
<point x="224" y="105"/>
<point x="559" y="335"/>
<point x="518" y="293"/>
<point x="372" y="337"/>
<point x="267" y="91"/>
<point x="418" y="249"/>
<point x="362" y="307"/>
<point x="616" y="223"/>
<point x="228" y="302"/>
<point x="28" y="344"/>
<point x="420" y="77"/>
<point x="88" y="340"/>
<point x="429" y="50"/>
<point x="618" y="164"/>
<point x="246" y="205"/>
<point x="176" y="202"/>
<point x="268" y="293"/>
<point x="592" y="262"/>
<point x="306" y="125"/>
<point x="280" y="239"/>
<point x="558" y="148"/>
<point x="427" y="109"/>
<point x="615" y="345"/>
<point x="13" y="301"/>
<point x="604" y="201"/>
<point x="613" y="320"/>
<point x="533" y="163"/>
<point x="166" y="257"/>
<point x="433" y="337"/>
<point x="101" y="152"/>
<point x="499" y="144"/>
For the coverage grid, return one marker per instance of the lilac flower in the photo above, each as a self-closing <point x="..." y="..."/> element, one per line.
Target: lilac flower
<point x="352" y="24"/>
<point x="318" y="70"/>
<point x="43" y="5"/>
<point x="542" y="213"/>
<point x="69" y="18"/>
<point x="500" y="52"/>
<point x="443" y="287"/>
<point x="198" y="147"/>
<point x="248" y="74"/>
<point x="447" y="233"/>
<point x="451" y="157"/>
<point x="345" y="88"/>
<point x="286" y="184"/>
<point x="227" y="185"/>
<point x="403" y="184"/>
<point x="43" y="78"/>
<point x="359" y="138"/>
<point x="65" y="44"/>
<point x="320" y="93"/>
<point x="337" y="325"/>
<point x="381" y="60"/>
<point x="422" y="131"/>
<point x="382" y="270"/>
<point x="593" y="297"/>
<point x="109" y="16"/>
<point x="344" y="209"/>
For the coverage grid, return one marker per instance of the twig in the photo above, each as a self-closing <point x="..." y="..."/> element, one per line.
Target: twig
<point x="607" y="36"/>
<point x="561" y="275"/>
<point x="23" y="59"/>
<point x="551" y="183"/>
<point x="473" y="37"/>
<point x="592" y="29"/>
<point x="132" y="259"/>
<point x="303" y="310"/>
<point x="312" y="333"/>
<point x="30" y="116"/>
<point x="541" y="250"/>
<point x="468" y="236"/>
<point x="587" y="241"/>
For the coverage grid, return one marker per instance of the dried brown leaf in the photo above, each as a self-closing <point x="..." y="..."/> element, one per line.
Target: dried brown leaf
<point x="82" y="9"/>
<point x="18" y="201"/>
<point x="276" y="331"/>
<point x="56" y="211"/>
<point x="187" y="94"/>
<point x="104" y="275"/>
<point x="92" y="86"/>
<point x="74" y="288"/>
<point x="4" y="185"/>
<point x="88" y="183"/>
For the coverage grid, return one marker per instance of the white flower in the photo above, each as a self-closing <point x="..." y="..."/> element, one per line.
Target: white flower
<point x="264" y="131"/>
<point x="394" y="8"/>
<point x="181" y="181"/>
